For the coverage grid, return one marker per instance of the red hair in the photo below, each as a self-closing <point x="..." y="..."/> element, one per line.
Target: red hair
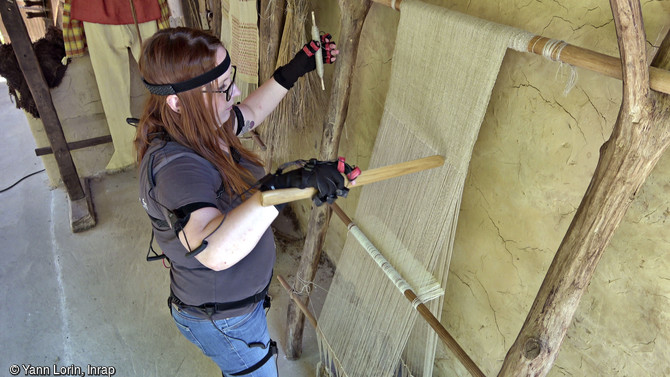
<point x="175" y="55"/>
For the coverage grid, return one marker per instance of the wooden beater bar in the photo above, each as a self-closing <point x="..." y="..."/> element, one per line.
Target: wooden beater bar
<point x="280" y="196"/>
<point x="408" y="292"/>
<point x="659" y="79"/>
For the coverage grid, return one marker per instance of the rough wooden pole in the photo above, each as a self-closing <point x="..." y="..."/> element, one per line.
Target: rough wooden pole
<point x="271" y="24"/>
<point x="191" y="12"/>
<point x="352" y="16"/>
<point x="81" y="212"/>
<point x="215" y="7"/>
<point x="640" y="136"/>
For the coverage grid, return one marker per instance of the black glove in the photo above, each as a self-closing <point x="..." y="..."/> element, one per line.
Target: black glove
<point x="304" y="61"/>
<point x="324" y="176"/>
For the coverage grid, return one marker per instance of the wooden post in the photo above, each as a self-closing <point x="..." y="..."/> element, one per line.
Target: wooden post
<point x="191" y="12"/>
<point x="270" y="28"/>
<point x="81" y="213"/>
<point x="216" y="18"/>
<point x="352" y="16"/>
<point x="640" y="136"/>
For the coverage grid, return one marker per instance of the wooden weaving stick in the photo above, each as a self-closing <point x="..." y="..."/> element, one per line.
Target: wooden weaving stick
<point x="408" y="292"/>
<point x="273" y="197"/>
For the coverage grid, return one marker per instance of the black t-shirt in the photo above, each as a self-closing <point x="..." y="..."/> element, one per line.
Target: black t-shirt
<point x="181" y="178"/>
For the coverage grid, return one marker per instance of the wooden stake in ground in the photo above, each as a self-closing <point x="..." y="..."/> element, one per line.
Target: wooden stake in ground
<point x="640" y="136"/>
<point x="352" y="15"/>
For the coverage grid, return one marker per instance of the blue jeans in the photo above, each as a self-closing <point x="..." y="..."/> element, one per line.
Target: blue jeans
<point x="231" y="352"/>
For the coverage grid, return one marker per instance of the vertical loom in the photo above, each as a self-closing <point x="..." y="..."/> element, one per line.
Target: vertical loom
<point x="659" y="80"/>
<point x="367" y="324"/>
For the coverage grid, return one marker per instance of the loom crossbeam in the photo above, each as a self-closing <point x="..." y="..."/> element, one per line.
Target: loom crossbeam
<point x="659" y="79"/>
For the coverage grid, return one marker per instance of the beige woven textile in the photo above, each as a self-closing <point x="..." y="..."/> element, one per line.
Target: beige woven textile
<point x="444" y="67"/>
<point x="239" y="33"/>
<point x="243" y="18"/>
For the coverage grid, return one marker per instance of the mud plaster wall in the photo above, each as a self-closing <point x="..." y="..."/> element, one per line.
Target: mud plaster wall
<point x="534" y="158"/>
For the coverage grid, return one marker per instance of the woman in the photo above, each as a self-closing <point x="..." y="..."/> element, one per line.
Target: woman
<point x="198" y="185"/>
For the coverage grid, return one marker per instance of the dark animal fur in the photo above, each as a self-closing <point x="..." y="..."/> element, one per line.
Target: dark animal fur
<point x="50" y="51"/>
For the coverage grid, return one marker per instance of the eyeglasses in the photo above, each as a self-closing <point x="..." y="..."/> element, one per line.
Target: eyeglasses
<point x="228" y="90"/>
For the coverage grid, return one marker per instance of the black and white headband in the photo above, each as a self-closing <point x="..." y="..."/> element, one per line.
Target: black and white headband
<point x="200" y="80"/>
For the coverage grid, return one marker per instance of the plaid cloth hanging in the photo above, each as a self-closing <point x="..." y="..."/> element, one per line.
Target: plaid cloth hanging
<point x="73" y="30"/>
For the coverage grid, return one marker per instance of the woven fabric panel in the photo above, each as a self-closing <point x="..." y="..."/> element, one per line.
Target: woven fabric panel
<point x="444" y="67"/>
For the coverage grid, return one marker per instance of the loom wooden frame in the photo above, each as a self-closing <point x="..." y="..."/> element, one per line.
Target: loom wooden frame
<point x="352" y="16"/>
<point x="640" y="137"/>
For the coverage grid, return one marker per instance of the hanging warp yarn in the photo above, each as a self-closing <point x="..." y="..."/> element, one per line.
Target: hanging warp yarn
<point x="444" y="67"/>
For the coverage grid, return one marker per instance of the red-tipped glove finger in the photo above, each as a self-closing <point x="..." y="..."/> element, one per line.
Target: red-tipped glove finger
<point x="329" y="49"/>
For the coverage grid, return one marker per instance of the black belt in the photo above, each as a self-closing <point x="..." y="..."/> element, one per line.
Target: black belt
<point x="213" y="307"/>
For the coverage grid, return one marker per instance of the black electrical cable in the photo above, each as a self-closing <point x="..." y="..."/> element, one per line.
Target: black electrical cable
<point x="19" y="181"/>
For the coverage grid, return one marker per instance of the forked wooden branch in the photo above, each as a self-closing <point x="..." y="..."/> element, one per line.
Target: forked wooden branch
<point x="640" y="136"/>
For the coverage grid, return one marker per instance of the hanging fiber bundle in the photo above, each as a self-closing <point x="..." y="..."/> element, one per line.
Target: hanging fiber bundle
<point x="298" y="119"/>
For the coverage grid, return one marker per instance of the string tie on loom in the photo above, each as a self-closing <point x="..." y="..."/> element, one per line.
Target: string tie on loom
<point x="552" y="50"/>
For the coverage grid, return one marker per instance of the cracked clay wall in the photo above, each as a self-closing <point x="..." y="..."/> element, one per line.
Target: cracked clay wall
<point x="533" y="160"/>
